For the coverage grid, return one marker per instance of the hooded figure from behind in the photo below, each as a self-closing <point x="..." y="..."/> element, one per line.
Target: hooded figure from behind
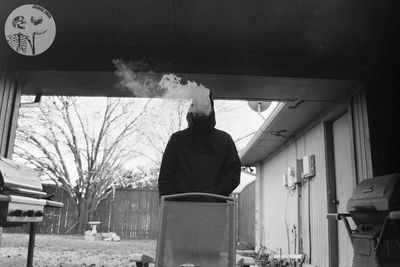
<point x="200" y="158"/>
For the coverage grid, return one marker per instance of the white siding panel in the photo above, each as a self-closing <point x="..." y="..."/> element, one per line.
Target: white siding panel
<point x="314" y="144"/>
<point x="278" y="206"/>
<point x="258" y="208"/>
<point x="319" y="239"/>
<point x="274" y="205"/>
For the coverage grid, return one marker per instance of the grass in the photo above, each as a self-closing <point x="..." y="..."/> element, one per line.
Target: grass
<point x="65" y="251"/>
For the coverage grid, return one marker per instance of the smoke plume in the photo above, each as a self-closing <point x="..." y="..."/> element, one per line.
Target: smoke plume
<point x="148" y="84"/>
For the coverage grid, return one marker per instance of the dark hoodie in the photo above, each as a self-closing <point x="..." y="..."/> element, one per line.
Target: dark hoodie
<point x="199" y="159"/>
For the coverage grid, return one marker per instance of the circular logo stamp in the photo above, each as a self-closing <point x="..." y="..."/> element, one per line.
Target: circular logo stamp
<point x="30" y="30"/>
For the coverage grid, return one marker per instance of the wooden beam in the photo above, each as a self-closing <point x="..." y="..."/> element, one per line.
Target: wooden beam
<point x="105" y="83"/>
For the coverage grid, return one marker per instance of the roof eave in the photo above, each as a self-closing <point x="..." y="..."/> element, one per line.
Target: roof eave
<point x="246" y="152"/>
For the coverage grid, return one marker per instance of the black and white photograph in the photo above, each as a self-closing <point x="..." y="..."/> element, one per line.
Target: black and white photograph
<point x="200" y="133"/>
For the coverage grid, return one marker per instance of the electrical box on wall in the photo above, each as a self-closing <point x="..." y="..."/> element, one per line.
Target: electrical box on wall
<point x="294" y="172"/>
<point x="284" y="180"/>
<point x="309" y="167"/>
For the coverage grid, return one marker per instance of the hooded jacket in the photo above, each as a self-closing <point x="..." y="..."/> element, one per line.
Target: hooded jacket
<point x="199" y="159"/>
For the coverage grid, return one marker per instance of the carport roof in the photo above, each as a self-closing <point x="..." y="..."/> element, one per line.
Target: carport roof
<point x="286" y="120"/>
<point x="312" y="39"/>
<point x="304" y="53"/>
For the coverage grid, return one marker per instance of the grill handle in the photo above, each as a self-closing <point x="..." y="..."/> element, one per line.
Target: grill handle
<point x="368" y="190"/>
<point x="342" y="217"/>
<point x="337" y="216"/>
<point x="394" y="215"/>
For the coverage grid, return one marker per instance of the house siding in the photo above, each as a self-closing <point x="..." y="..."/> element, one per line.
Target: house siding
<point x="246" y="214"/>
<point x="307" y="214"/>
<point x="278" y="201"/>
<point x="279" y="207"/>
<point x="315" y="189"/>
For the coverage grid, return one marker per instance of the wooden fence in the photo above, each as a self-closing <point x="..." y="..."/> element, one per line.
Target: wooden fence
<point x="133" y="214"/>
<point x="130" y="213"/>
<point x="246" y="218"/>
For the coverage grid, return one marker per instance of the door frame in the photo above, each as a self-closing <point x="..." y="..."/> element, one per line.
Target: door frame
<point x="333" y="242"/>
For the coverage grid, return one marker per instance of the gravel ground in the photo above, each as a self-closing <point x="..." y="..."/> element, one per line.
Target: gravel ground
<point x="66" y="251"/>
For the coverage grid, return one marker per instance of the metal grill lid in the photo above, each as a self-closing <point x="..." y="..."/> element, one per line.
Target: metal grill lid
<point x="18" y="177"/>
<point x="380" y="193"/>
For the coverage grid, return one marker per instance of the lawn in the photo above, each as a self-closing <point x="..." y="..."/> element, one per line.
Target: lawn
<point x="63" y="250"/>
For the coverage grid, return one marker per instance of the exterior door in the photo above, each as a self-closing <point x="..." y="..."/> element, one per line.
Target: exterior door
<point x="341" y="183"/>
<point x="345" y="182"/>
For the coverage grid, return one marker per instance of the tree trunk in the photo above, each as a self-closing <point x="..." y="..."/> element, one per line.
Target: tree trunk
<point x="83" y="216"/>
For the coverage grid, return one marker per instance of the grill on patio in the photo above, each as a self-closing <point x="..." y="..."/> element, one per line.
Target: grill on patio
<point x="375" y="208"/>
<point x="22" y="199"/>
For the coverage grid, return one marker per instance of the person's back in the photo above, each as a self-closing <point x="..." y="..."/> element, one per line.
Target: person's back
<point x="200" y="159"/>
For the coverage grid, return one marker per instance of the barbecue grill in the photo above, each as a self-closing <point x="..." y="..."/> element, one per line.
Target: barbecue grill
<point x="22" y="200"/>
<point x="375" y="208"/>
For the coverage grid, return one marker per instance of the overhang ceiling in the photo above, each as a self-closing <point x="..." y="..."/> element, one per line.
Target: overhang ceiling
<point x="286" y="122"/>
<point x="322" y="39"/>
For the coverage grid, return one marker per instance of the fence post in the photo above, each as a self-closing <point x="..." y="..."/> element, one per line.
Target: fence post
<point x="111" y="209"/>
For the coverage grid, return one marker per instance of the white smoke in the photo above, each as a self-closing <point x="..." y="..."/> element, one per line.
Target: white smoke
<point x="139" y="83"/>
<point x="145" y="84"/>
<point x="198" y="93"/>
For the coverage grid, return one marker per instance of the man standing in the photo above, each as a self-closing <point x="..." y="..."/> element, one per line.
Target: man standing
<point x="200" y="158"/>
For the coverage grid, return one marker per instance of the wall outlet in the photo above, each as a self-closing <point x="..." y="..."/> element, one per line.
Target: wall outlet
<point x="308" y="167"/>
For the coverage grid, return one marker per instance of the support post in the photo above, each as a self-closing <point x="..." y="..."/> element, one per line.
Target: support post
<point x="31" y="245"/>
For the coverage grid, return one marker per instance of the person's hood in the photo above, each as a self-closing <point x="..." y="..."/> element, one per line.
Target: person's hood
<point x="202" y="124"/>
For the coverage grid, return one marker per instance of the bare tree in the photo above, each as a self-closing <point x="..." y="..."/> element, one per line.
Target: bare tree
<point x="163" y="122"/>
<point x="80" y="145"/>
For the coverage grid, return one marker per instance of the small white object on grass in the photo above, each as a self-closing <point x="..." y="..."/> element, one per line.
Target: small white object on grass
<point x="94" y="225"/>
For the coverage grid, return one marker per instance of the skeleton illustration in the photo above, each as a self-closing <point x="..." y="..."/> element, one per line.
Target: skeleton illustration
<point x="20" y="41"/>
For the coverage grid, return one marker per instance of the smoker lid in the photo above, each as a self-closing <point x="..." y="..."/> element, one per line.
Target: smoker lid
<point x="380" y="193"/>
<point x="14" y="176"/>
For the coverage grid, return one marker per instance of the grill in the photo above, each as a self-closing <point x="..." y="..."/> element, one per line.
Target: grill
<point x="375" y="208"/>
<point x="22" y="200"/>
